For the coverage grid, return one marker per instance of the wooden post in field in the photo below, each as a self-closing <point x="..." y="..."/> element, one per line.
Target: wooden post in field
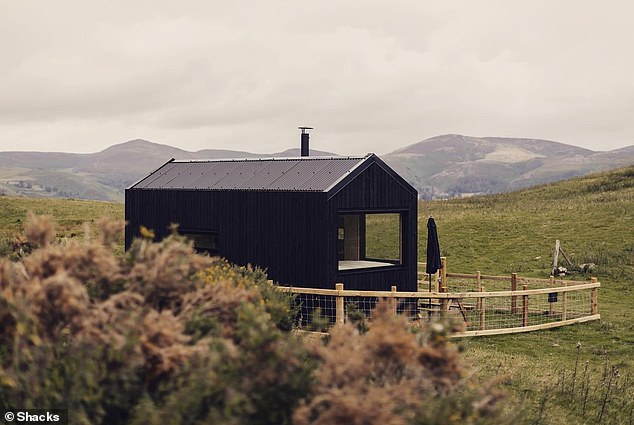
<point x="482" y="302"/>
<point x="564" y="304"/>
<point x="479" y="288"/>
<point x="393" y="300"/>
<point x="594" y="298"/>
<point x="513" y="297"/>
<point x="443" y="274"/>
<point x="556" y="256"/>
<point x="525" y="306"/>
<point x="444" y="304"/>
<point x="339" y="311"/>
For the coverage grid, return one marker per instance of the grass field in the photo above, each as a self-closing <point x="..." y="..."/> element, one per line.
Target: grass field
<point x="593" y="217"/>
<point x="576" y="374"/>
<point x="70" y="215"/>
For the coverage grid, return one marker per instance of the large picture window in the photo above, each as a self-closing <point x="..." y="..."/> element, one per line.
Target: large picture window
<point x="367" y="240"/>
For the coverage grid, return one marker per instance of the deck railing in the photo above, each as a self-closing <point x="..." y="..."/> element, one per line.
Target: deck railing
<point x="486" y="304"/>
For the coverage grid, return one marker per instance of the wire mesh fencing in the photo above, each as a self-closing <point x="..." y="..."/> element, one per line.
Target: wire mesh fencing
<point x="516" y="305"/>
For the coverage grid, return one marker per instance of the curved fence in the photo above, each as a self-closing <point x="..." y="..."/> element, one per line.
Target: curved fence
<point x="487" y="305"/>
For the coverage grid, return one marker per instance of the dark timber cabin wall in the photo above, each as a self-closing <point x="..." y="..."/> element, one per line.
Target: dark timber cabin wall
<point x="283" y="232"/>
<point x="376" y="188"/>
<point x="290" y="233"/>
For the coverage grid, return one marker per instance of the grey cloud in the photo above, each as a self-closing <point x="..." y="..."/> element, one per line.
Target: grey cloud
<point x="372" y="75"/>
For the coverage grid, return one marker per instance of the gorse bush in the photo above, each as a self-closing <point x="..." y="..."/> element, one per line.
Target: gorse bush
<point x="112" y="337"/>
<point x="389" y="374"/>
<point x="161" y="335"/>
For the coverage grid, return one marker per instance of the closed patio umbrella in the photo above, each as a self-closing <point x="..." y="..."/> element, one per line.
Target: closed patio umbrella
<point x="433" y="250"/>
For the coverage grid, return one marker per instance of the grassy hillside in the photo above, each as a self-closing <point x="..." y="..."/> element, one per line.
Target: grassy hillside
<point x="593" y="217"/>
<point x="69" y="214"/>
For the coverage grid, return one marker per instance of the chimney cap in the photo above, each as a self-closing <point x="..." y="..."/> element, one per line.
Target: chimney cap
<point x="304" y="129"/>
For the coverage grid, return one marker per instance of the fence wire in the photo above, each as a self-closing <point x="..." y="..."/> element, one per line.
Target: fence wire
<point x="318" y="312"/>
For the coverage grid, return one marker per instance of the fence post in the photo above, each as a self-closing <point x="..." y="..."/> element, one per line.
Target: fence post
<point x="525" y="306"/>
<point x="444" y="303"/>
<point x="594" y="298"/>
<point x="445" y="306"/>
<point x="479" y="288"/>
<point x="482" y="302"/>
<point x="339" y="311"/>
<point x="393" y="300"/>
<point x="513" y="297"/>
<point x="564" y="304"/>
<point x="443" y="274"/>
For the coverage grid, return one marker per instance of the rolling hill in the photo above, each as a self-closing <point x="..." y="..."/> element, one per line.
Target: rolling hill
<point x="443" y="166"/>
<point x="100" y="176"/>
<point x="452" y="164"/>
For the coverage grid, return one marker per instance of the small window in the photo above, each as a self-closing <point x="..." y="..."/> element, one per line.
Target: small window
<point x="204" y="242"/>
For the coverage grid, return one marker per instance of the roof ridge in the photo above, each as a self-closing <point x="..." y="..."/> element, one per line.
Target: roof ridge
<point x="289" y="158"/>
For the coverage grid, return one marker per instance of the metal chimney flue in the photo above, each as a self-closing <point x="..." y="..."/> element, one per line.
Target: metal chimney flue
<point x="304" y="140"/>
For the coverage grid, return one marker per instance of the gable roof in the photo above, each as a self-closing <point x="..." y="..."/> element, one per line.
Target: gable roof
<point x="304" y="174"/>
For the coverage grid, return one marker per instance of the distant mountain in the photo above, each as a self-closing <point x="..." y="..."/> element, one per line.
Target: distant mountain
<point x="103" y="175"/>
<point x="443" y="166"/>
<point x="453" y="164"/>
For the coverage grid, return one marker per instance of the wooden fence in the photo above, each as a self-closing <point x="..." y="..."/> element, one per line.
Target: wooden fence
<point x="488" y="305"/>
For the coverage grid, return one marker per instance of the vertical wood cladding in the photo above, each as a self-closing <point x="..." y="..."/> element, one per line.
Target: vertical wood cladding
<point x="291" y="234"/>
<point x="283" y="232"/>
<point x="376" y="190"/>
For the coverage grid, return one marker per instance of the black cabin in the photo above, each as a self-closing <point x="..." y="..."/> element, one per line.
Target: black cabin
<point x="309" y="221"/>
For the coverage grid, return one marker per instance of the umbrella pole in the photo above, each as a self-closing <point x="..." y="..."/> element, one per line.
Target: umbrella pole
<point x="429" y="299"/>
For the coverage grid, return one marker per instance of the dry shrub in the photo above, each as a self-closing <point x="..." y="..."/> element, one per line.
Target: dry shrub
<point x="162" y="335"/>
<point x="39" y="229"/>
<point x="365" y="379"/>
<point x="11" y="273"/>
<point x="154" y="341"/>
<point x="213" y="309"/>
<point x="164" y="272"/>
<point x="19" y="328"/>
<point x="59" y="303"/>
<point x="91" y="264"/>
<point x="390" y="375"/>
<point x="110" y="231"/>
<point x="278" y="305"/>
<point x="166" y="349"/>
<point x="105" y="335"/>
<point x="114" y="321"/>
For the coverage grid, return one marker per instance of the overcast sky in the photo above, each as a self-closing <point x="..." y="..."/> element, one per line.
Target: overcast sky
<point x="79" y="76"/>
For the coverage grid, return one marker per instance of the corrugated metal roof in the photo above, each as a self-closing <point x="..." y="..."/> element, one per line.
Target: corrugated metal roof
<point x="306" y="174"/>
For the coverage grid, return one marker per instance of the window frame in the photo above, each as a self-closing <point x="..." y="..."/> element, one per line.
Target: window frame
<point x="190" y="234"/>
<point x="395" y="264"/>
